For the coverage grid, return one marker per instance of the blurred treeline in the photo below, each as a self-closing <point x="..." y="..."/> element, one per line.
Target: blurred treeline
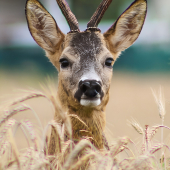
<point x="84" y="9"/>
<point x="137" y="59"/>
<point x="19" y="52"/>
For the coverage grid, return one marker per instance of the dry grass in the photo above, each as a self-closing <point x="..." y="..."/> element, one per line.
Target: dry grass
<point x="83" y="155"/>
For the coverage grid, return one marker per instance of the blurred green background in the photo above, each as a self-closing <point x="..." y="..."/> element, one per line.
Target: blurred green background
<point x="138" y="59"/>
<point x="19" y="52"/>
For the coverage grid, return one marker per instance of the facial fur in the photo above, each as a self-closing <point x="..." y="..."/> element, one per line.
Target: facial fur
<point x="86" y="53"/>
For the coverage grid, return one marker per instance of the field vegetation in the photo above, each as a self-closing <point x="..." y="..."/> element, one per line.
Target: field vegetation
<point x="27" y="118"/>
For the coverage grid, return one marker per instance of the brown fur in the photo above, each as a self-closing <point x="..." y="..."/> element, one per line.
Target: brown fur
<point x="94" y="118"/>
<point x="86" y="51"/>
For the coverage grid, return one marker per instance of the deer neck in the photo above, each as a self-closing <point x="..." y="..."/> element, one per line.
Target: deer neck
<point x="88" y="123"/>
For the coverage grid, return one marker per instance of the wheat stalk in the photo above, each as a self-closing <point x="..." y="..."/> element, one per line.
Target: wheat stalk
<point x="15" y="150"/>
<point x="9" y="124"/>
<point x="119" y="147"/>
<point x="154" y="129"/>
<point x="160" y="101"/>
<point x="156" y="147"/>
<point x="30" y="129"/>
<point x="77" y="117"/>
<point x="82" y="160"/>
<point x="4" y="146"/>
<point x="78" y="148"/>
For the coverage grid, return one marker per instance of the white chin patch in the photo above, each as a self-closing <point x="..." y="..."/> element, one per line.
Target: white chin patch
<point x="86" y="102"/>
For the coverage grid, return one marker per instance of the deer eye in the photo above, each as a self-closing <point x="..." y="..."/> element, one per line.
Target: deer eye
<point x="109" y="62"/>
<point x="64" y="63"/>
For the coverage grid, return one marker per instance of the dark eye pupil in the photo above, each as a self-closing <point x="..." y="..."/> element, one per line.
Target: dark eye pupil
<point x="108" y="62"/>
<point x="64" y="63"/>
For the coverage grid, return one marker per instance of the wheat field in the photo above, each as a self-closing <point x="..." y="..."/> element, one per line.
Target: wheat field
<point x="131" y="100"/>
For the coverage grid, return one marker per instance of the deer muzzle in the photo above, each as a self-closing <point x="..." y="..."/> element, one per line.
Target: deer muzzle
<point x="89" y="93"/>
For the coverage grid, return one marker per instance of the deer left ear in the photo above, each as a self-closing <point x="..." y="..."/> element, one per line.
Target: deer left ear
<point x="127" y="28"/>
<point x="43" y="27"/>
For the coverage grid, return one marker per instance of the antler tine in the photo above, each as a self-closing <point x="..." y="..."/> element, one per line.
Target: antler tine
<point x="97" y="16"/>
<point x="70" y="17"/>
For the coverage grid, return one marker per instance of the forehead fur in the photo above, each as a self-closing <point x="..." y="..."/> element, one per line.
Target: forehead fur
<point x="86" y="43"/>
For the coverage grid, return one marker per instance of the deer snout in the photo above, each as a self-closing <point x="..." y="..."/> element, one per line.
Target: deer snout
<point x="89" y="93"/>
<point x="90" y="88"/>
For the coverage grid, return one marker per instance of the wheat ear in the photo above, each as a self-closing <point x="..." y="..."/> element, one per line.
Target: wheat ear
<point x="82" y="160"/>
<point x="10" y="113"/>
<point x="136" y="126"/>
<point x="30" y="96"/>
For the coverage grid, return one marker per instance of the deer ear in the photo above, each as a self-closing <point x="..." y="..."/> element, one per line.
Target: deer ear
<point x="127" y="28"/>
<point x="43" y="27"/>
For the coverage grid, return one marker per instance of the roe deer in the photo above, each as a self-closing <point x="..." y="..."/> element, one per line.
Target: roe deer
<point x="84" y="60"/>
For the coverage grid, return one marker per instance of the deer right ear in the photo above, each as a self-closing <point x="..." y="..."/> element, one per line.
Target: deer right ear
<point x="43" y="27"/>
<point x="127" y="28"/>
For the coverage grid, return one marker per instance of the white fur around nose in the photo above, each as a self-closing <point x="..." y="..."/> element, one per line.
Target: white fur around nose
<point x="86" y="102"/>
<point x="90" y="75"/>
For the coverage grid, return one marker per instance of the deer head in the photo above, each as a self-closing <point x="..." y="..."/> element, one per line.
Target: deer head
<point x="84" y="59"/>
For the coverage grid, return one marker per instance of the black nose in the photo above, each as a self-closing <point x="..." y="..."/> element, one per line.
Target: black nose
<point x="90" y="88"/>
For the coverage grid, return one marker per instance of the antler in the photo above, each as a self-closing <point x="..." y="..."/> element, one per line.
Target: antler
<point x="97" y="16"/>
<point x="70" y="17"/>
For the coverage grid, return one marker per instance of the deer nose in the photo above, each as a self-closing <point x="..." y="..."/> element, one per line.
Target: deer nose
<point x="90" y="88"/>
